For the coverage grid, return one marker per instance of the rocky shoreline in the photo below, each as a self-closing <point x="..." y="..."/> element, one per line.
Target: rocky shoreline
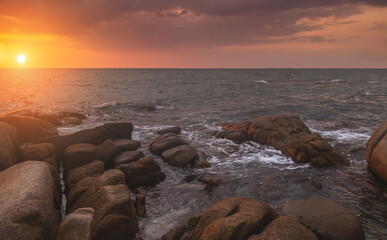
<point x="105" y="177"/>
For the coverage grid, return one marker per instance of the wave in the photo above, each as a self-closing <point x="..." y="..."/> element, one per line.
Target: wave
<point x="333" y="80"/>
<point x="261" y="81"/>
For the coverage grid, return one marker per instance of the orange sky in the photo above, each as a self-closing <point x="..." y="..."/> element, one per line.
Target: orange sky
<point x="175" y="34"/>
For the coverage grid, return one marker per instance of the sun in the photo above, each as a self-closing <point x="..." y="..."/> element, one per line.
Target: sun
<point x="21" y="58"/>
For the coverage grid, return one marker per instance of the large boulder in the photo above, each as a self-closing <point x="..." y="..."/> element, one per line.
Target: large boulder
<point x="377" y="152"/>
<point x="126" y="144"/>
<point x="293" y="138"/>
<point x="95" y="136"/>
<point x="127" y="157"/>
<point x="76" y="225"/>
<point x="164" y="142"/>
<point x="29" y="202"/>
<point x="30" y="128"/>
<point x="284" y="228"/>
<point x="180" y="156"/>
<point x="44" y="152"/>
<point x="233" y="218"/>
<point x="10" y="153"/>
<point x="95" y="168"/>
<point x="325" y="217"/>
<point x="143" y="172"/>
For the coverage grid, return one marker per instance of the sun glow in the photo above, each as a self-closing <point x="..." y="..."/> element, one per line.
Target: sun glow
<point x="21" y="58"/>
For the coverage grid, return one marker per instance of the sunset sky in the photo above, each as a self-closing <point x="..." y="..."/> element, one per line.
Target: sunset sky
<point x="194" y="33"/>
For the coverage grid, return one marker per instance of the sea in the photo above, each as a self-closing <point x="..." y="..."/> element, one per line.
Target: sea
<point x="342" y="105"/>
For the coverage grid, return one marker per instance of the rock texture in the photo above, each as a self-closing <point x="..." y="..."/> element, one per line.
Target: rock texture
<point x="180" y="156"/>
<point x="164" y="142"/>
<point x="76" y="225"/>
<point x="377" y="152"/>
<point x="10" y="153"/>
<point x="237" y="137"/>
<point x="293" y="138"/>
<point x="44" y="152"/>
<point x="29" y="202"/>
<point x="325" y="217"/>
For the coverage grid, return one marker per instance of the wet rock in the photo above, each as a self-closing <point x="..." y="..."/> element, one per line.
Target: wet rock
<point x="127" y="157"/>
<point x="95" y="168"/>
<point x="30" y="128"/>
<point x="29" y="202"/>
<point x="193" y="221"/>
<point x="176" y="130"/>
<point x="325" y="217"/>
<point x="10" y="153"/>
<point x="180" y="156"/>
<point x="70" y="121"/>
<point x="236" y="137"/>
<point x="140" y="205"/>
<point x="95" y="136"/>
<point x="143" y="172"/>
<point x="76" y="225"/>
<point x="202" y="162"/>
<point x="233" y="218"/>
<point x="44" y="152"/>
<point x="377" y="152"/>
<point x="284" y="228"/>
<point x="293" y="138"/>
<point x="126" y="144"/>
<point x="164" y="142"/>
<point x="175" y="233"/>
<point x="67" y="114"/>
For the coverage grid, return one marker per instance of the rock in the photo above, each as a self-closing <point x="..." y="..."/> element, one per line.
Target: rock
<point x="95" y="168"/>
<point x="70" y="121"/>
<point x="180" y="156"/>
<point x="284" y="228"/>
<point x="377" y="152"/>
<point x="44" y="152"/>
<point x="29" y="128"/>
<point x="29" y="202"/>
<point x="76" y="190"/>
<point x="67" y="114"/>
<point x="164" y="142"/>
<point x="127" y="157"/>
<point x="193" y="221"/>
<point x="236" y="137"/>
<point x="49" y="117"/>
<point x="210" y="180"/>
<point x="107" y="151"/>
<point x="175" y="233"/>
<point x="76" y="225"/>
<point x="325" y="217"/>
<point x="202" y="163"/>
<point x="176" y="130"/>
<point x="95" y="136"/>
<point x="111" y="177"/>
<point x="293" y="138"/>
<point x="10" y="153"/>
<point x="140" y="205"/>
<point x="144" y="172"/>
<point x="126" y="144"/>
<point x="233" y="218"/>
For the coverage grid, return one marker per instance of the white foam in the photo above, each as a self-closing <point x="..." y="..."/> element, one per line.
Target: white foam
<point x="261" y="81"/>
<point x="347" y="135"/>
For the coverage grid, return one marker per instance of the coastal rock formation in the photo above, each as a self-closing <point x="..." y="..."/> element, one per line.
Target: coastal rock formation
<point x="377" y="152"/>
<point x="10" y="153"/>
<point x="126" y="144"/>
<point x="293" y="138"/>
<point x="284" y="228"/>
<point x="175" y="130"/>
<point x="237" y="137"/>
<point x="325" y="217"/>
<point x="164" y="142"/>
<point x="30" y="128"/>
<point x="44" y="152"/>
<point x="127" y="157"/>
<point x="180" y="156"/>
<point x="95" y="168"/>
<point x="29" y="202"/>
<point x="233" y="218"/>
<point x="76" y="225"/>
<point x="95" y="136"/>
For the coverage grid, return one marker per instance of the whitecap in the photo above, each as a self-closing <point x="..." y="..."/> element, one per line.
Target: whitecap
<point x="261" y="81"/>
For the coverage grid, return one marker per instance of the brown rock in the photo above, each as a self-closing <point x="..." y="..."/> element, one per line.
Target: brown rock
<point x="76" y="225"/>
<point x="126" y="144"/>
<point x="236" y="137"/>
<point x="77" y="155"/>
<point x="106" y="152"/>
<point x="127" y="157"/>
<point x="30" y="128"/>
<point x="95" y="168"/>
<point x="175" y="130"/>
<point x="284" y="228"/>
<point x="29" y="202"/>
<point x="140" y="205"/>
<point x="202" y="163"/>
<point x="180" y="156"/>
<point x="10" y="153"/>
<point x="377" y="152"/>
<point x="325" y="217"/>
<point x="44" y="152"/>
<point x="144" y="172"/>
<point x="175" y="233"/>
<point x="78" y="189"/>
<point x="193" y="221"/>
<point x="233" y="218"/>
<point x="164" y="142"/>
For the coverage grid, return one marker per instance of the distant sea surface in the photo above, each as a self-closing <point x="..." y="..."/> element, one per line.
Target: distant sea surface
<point x="343" y="105"/>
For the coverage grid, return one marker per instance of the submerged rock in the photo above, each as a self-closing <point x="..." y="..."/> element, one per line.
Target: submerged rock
<point x="76" y="225"/>
<point x="377" y="152"/>
<point x="325" y="217"/>
<point x="164" y="142"/>
<point x="202" y="161"/>
<point x="175" y="130"/>
<point x="10" y="152"/>
<point x="293" y="138"/>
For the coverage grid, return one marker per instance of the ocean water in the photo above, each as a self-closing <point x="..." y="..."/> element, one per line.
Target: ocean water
<point x="343" y="105"/>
